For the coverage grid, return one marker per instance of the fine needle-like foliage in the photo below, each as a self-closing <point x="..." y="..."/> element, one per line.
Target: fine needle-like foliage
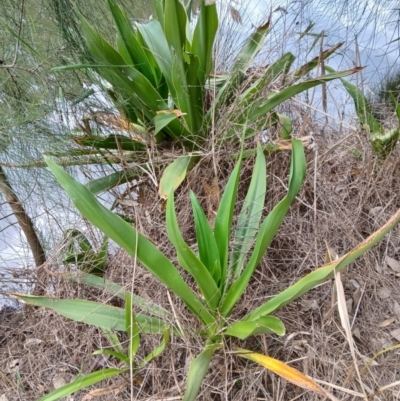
<point x="221" y="272"/>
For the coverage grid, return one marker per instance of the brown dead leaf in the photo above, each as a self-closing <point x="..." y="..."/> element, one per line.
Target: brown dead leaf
<point x="395" y="334"/>
<point x="177" y="112"/>
<point x="13" y="366"/>
<point x="393" y="264"/>
<point x="386" y="322"/>
<point x="213" y="196"/>
<point x="235" y="15"/>
<point x="58" y="381"/>
<point x="396" y="308"/>
<point x="383" y="293"/>
<point x="103" y="391"/>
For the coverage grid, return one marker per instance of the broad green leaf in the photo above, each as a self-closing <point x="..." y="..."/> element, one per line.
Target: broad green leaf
<point x="395" y="105"/>
<point x="159" y="8"/>
<point x="158" y="350"/>
<point x="117" y="290"/>
<point x="94" y="313"/>
<point x="154" y="37"/>
<point x="223" y="219"/>
<point x="367" y="120"/>
<point x="137" y="245"/>
<point x="103" y="184"/>
<point x="269" y="227"/>
<point x="281" y="369"/>
<point x="250" y="216"/>
<point x="263" y="325"/>
<point x="175" y="19"/>
<point x="123" y="76"/>
<point x="207" y="247"/>
<point x="203" y="39"/>
<point x="173" y="176"/>
<point x="197" y="370"/>
<point x="82" y="382"/>
<point x="136" y="53"/>
<point x="286" y="126"/>
<point x="322" y="274"/>
<point x="188" y="260"/>
<point x="162" y="120"/>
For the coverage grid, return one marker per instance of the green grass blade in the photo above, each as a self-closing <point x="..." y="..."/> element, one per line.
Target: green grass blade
<point x="158" y="350"/>
<point x="203" y="39"/>
<point x="117" y="290"/>
<point x="115" y="141"/>
<point x="119" y="355"/>
<point x="127" y="237"/>
<point x="81" y="383"/>
<point x="263" y="325"/>
<point x="188" y="260"/>
<point x="208" y="250"/>
<point x="113" y="340"/>
<point x="223" y="219"/>
<point x="93" y="313"/>
<point x="320" y="275"/>
<point x="269" y="227"/>
<point x="197" y="370"/>
<point x="250" y="216"/>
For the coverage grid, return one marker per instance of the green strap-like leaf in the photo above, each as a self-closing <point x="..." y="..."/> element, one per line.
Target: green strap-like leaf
<point x="263" y="325"/>
<point x="269" y="227"/>
<point x="203" y="39"/>
<point x="81" y="383"/>
<point x="223" y="219"/>
<point x="103" y="184"/>
<point x="158" y="350"/>
<point x="133" y="242"/>
<point x="367" y="120"/>
<point x="208" y="250"/>
<point x="94" y="313"/>
<point x="250" y="216"/>
<point x="188" y="260"/>
<point x="262" y="106"/>
<point x="323" y="273"/>
<point x="136" y="53"/>
<point x="117" y="290"/>
<point x="197" y="370"/>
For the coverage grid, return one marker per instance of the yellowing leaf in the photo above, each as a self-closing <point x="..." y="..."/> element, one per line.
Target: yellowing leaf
<point x="173" y="176"/>
<point x="281" y="369"/>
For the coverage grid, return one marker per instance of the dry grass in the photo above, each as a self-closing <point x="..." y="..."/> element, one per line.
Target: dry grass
<point x="343" y="201"/>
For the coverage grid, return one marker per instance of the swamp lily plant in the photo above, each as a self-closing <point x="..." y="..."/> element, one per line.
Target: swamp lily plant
<point x="161" y="78"/>
<point x="221" y="272"/>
